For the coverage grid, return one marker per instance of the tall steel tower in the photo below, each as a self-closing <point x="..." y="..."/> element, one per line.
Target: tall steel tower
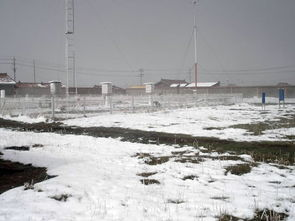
<point x="69" y="49"/>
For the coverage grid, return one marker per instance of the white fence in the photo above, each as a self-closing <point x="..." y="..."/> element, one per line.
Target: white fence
<point x="75" y="106"/>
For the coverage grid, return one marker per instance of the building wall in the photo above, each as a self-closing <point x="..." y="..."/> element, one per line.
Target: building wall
<point x="248" y="92"/>
<point x="32" y="91"/>
<point x="9" y="89"/>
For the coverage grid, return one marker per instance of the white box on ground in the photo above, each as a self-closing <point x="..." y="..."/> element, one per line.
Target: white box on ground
<point x="55" y="87"/>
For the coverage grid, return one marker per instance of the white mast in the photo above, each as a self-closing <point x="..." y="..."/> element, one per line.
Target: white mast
<point x="69" y="48"/>
<point x="195" y="2"/>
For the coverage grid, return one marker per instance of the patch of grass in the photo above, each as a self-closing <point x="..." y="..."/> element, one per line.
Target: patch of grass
<point x="146" y="174"/>
<point x="257" y="128"/>
<point x="62" y="197"/>
<point x="187" y="159"/>
<point x="229" y="157"/>
<point x="227" y="217"/>
<point x="275" y="182"/>
<point x="179" y="152"/>
<point x="142" y="155"/>
<point x="157" y="160"/>
<point x="214" y="128"/>
<point x="29" y="186"/>
<point x="290" y="137"/>
<point x="149" y="181"/>
<point x="190" y="177"/>
<point x="239" y="169"/>
<point x="175" y="201"/>
<point x="268" y="215"/>
<point x="223" y="198"/>
<point x="38" y="145"/>
<point x="19" y="148"/>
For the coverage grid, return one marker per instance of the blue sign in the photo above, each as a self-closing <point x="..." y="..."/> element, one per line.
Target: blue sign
<point x="263" y="97"/>
<point x="281" y="94"/>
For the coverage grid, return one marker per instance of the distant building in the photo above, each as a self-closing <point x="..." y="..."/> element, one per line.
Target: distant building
<point x="115" y="89"/>
<point x="136" y="90"/>
<point x="166" y="83"/>
<point x="7" y="84"/>
<point x="283" y="84"/>
<point x="32" y="89"/>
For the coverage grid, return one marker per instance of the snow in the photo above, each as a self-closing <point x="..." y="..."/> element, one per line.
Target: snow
<point x="209" y="121"/>
<point x="99" y="175"/>
<point x="202" y="84"/>
<point x="25" y="119"/>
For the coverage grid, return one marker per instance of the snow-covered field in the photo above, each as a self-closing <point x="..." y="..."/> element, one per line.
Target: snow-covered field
<point x="212" y="121"/>
<point x="103" y="178"/>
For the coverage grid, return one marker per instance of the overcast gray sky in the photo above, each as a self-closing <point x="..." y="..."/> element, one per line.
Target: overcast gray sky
<point x="244" y="42"/>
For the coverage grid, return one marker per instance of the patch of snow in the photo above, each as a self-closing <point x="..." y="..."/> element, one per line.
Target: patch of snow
<point x="99" y="176"/>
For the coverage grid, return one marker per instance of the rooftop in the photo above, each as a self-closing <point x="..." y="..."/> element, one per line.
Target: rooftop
<point x="5" y="79"/>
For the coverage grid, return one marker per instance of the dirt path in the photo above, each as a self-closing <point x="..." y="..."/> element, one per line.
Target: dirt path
<point x="275" y="152"/>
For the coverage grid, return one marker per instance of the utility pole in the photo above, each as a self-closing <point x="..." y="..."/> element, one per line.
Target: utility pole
<point x="141" y="75"/>
<point x="195" y="2"/>
<point x="14" y="69"/>
<point x="34" y="66"/>
<point x="190" y="75"/>
<point x="74" y="74"/>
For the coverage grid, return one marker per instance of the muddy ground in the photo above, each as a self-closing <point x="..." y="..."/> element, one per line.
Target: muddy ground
<point x="14" y="174"/>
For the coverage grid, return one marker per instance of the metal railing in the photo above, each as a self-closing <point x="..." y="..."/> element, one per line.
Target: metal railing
<point x="75" y="106"/>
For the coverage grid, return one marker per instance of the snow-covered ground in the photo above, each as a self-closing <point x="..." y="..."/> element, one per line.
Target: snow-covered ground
<point x="211" y="121"/>
<point x="100" y="177"/>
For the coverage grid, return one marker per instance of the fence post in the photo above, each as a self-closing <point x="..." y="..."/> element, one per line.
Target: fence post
<point x="111" y="105"/>
<point x="132" y="103"/>
<point x="2" y="104"/>
<point x="263" y="100"/>
<point x="52" y="107"/>
<point x="84" y="104"/>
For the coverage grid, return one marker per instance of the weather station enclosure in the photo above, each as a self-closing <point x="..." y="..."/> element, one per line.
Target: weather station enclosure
<point x="2" y="94"/>
<point x="106" y="88"/>
<point x="149" y="89"/>
<point x="55" y="87"/>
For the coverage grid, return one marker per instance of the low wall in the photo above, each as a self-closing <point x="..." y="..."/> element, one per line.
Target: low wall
<point x="247" y="91"/>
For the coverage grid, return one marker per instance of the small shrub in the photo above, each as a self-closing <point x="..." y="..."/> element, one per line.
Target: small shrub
<point x="238" y="169"/>
<point x="190" y="177"/>
<point x="175" y="201"/>
<point x="29" y="186"/>
<point x="149" y="181"/>
<point x="62" y="197"/>
<point x="146" y="174"/>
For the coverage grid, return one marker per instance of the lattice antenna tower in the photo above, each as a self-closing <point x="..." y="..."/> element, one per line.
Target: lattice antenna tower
<point x="69" y="48"/>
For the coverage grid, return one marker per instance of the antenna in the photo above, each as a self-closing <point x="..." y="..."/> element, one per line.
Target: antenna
<point x="141" y="75"/>
<point x="69" y="47"/>
<point x="14" y="68"/>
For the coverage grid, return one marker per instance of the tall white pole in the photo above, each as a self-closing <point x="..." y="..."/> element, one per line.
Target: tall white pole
<point x="67" y="64"/>
<point x="195" y="2"/>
